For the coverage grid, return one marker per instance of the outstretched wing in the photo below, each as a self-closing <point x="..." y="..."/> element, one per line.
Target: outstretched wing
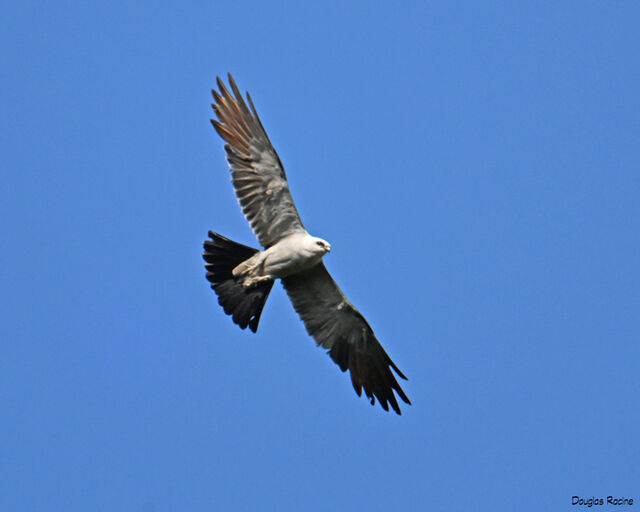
<point x="339" y="327"/>
<point x="256" y="171"/>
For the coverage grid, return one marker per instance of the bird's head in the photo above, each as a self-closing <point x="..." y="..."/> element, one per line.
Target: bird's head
<point x="321" y="246"/>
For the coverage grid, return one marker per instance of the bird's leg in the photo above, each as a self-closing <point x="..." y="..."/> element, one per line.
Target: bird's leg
<point x="256" y="280"/>
<point x="252" y="272"/>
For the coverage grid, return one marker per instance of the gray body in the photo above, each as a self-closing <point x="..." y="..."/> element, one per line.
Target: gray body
<point x="291" y="255"/>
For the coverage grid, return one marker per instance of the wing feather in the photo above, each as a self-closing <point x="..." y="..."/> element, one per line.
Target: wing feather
<point x="257" y="173"/>
<point x="336" y="325"/>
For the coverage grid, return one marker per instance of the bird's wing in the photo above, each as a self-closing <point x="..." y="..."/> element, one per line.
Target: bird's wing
<point x="335" y="324"/>
<point x="257" y="174"/>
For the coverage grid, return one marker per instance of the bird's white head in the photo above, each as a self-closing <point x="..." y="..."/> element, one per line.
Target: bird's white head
<point x="320" y="246"/>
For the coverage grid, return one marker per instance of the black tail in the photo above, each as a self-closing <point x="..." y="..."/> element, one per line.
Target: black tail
<point x="243" y="304"/>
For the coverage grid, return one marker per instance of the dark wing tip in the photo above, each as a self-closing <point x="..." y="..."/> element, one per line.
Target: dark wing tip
<point x="397" y="370"/>
<point x="233" y="85"/>
<point x="370" y="369"/>
<point x="220" y="83"/>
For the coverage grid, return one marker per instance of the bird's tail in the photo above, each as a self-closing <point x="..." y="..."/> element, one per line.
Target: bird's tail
<point x="244" y="304"/>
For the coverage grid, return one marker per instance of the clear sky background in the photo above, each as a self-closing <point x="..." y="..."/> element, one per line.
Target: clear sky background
<point x="476" y="168"/>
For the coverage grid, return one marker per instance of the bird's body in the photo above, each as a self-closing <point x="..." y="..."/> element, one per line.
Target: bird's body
<point x="242" y="277"/>
<point x="289" y="256"/>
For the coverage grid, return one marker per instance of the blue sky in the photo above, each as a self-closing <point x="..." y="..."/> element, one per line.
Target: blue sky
<point x="475" y="167"/>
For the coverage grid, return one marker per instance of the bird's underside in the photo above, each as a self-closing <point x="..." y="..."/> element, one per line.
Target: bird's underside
<point x="242" y="277"/>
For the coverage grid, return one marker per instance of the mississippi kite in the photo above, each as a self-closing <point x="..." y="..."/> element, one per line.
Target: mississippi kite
<point x="242" y="277"/>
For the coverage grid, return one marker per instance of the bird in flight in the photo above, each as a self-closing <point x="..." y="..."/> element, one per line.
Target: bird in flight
<point x="242" y="277"/>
